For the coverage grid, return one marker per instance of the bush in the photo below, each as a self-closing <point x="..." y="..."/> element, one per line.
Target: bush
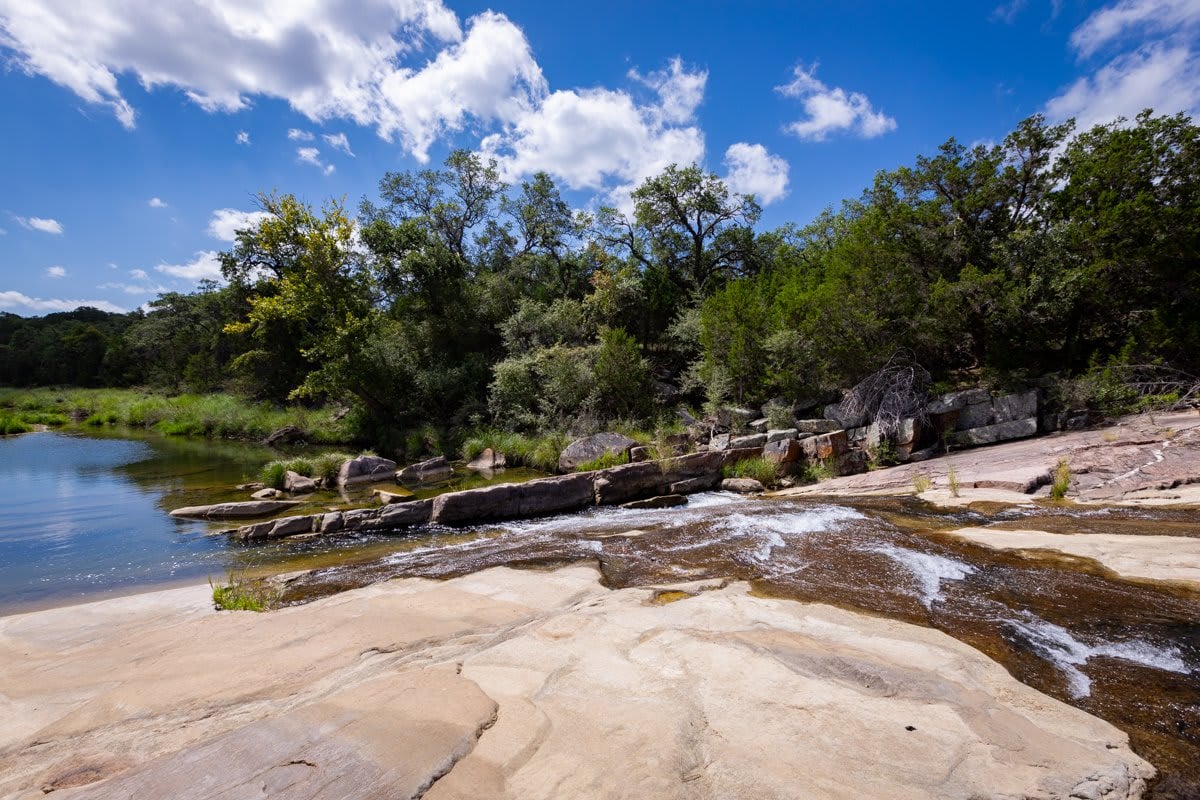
<point x="10" y="424"/>
<point x="760" y="469"/>
<point x="272" y="474"/>
<point x="820" y="471"/>
<point x="779" y="416"/>
<point x="535" y="452"/>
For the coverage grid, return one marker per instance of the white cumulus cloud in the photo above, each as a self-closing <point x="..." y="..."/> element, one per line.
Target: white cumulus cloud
<point x="603" y="139"/>
<point x="1114" y="22"/>
<point x="139" y="274"/>
<point x="226" y="222"/>
<point x="16" y="302"/>
<point x="56" y="272"/>
<point x="157" y="202"/>
<point x="311" y="155"/>
<point x="753" y="170"/>
<point x="832" y="110"/>
<point x="52" y="226"/>
<point x="242" y="137"/>
<point x="338" y="141"/>
<point x="204" y="266"/>
<point x="324" y="58"/>
<point x="300" y="135"/>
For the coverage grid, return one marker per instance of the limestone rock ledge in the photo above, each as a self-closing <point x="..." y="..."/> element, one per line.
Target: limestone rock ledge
<point x="520" y="684"/>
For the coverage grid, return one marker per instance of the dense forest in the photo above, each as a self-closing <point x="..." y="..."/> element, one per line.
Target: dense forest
<point x="457" y="301"/>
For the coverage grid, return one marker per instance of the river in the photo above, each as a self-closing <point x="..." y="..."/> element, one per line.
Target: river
<point x="88" y="516"/>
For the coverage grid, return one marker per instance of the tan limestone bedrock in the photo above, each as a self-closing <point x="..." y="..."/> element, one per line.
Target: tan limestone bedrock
<point x="521" y="684"/>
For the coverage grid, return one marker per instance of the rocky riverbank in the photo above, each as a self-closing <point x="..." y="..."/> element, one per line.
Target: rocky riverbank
<point x="527" y="684"/>
<point x="1139" y="460"/>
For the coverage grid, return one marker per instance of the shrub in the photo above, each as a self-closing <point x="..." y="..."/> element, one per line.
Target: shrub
<point x="819" y="471"/>
<point x="921" y="483"/>
<point x="760" y="469"/>
<point x="779" y="416"/>
<point x="10" y="424"/>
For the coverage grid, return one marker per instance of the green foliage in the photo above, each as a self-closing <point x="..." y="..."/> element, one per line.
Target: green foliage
<point x="880" y="455"/>
<point x="815" y="472"/>
<point x="760" y="469"/>
<point x="242" y="593"/>
<point x="779" y="416"/>
<point x="1062" y="480"/>
<point x="604" y="461"/>
<point x="10" y="424"/>
<point x="921" y="483"/>
<point x="535" y="452"/>
<point x="272" y="474"/>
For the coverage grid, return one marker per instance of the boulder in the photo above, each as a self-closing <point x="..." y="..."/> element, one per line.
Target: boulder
<point x="285" y="435"/>
<point x="248" y="509"/>
<point x="277" y="528"/>
<point x="427" y="471"/>
<point x="956" y="401"/>
<point x="779" y="434"/>
<point x="266" y="494"/>
<point x="838" y="413"/>
<point x="817" y="425"/>
<point x="366" y="469"/>
<point x="400" y="515"/>
<point x="819" y="448"/>
<point x="331" y="522"/>
<point x="742" y="485"/>
<point x="295" y="483"/>
<point x="759" y="425"/>
<point x="754" y="440"/>
<point x="1012" y="407"/>
<point x="633" y="481"/>
<point x="1002" y="432"/>
<point x="639" y="454"/>
<point x="691" y="485"/>
<point x="783" y="451"/>
<point x="387" y="497"/>
<point x="488" y="459"/>
<point x="514" y="500"/>
<point x="589" y="448"/>
<point x="719" y="442"/>
<point x="976" y="415"/>
<point x="660" y="501"/>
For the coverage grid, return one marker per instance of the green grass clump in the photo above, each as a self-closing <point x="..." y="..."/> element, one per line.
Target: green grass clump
<point x="952" y="479"/>
<point x="10" y="424"/>
<point x="520" y="450"/>
<point x="760" y="469"/>
<point x="815" y="472"/>
<point x="921" y="483"/>
<point x="241" y="593"/>
<point x="604" y="461"/>
<point x="327" y="465"/>
<point x="1062" y="480"/>
<point x="272" y="474"/>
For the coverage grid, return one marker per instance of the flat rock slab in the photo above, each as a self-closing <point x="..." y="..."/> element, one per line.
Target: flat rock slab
<point x="1156" y="558"/>
<point x="249" y="509"/>
<point x="510" y="684"/>
<point x="661" y="501"/>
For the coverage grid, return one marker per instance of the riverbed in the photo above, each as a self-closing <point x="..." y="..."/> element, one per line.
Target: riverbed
<point x="1125" y="650"/>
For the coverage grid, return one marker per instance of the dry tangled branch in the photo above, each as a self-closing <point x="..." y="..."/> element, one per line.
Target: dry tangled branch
<point x="895" y="391"/>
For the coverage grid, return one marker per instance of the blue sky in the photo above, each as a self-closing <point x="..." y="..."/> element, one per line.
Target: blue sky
<point x="136" y="135"/>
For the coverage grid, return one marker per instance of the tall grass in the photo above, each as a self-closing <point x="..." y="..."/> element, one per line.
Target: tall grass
<point x="604" y="461"/>
<point x="1062" y="480"/>
<point x="324" y="467"/>
<point x="536" y="452"/>
<point x="760" y="469"/>
<point x="217" y="416"/>
<point x="10" y="423"/>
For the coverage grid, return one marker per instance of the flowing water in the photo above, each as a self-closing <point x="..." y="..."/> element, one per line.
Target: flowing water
<point x="89" y="514"/>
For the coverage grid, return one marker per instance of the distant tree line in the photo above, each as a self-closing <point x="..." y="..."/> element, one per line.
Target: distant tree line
<point x="455" y="300"/>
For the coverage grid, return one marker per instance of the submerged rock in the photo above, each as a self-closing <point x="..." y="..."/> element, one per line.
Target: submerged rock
<point x="661" y="501"/>
<point x="429" y="470"/>
<point x="488" y="460"/>
<point x="248" y="509"/>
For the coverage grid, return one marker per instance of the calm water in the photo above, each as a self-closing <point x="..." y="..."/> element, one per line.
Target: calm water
<point x="87" y="516"/>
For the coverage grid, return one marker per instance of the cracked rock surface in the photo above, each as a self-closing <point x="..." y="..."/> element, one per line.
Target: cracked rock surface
<point x="521" y="684"/>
